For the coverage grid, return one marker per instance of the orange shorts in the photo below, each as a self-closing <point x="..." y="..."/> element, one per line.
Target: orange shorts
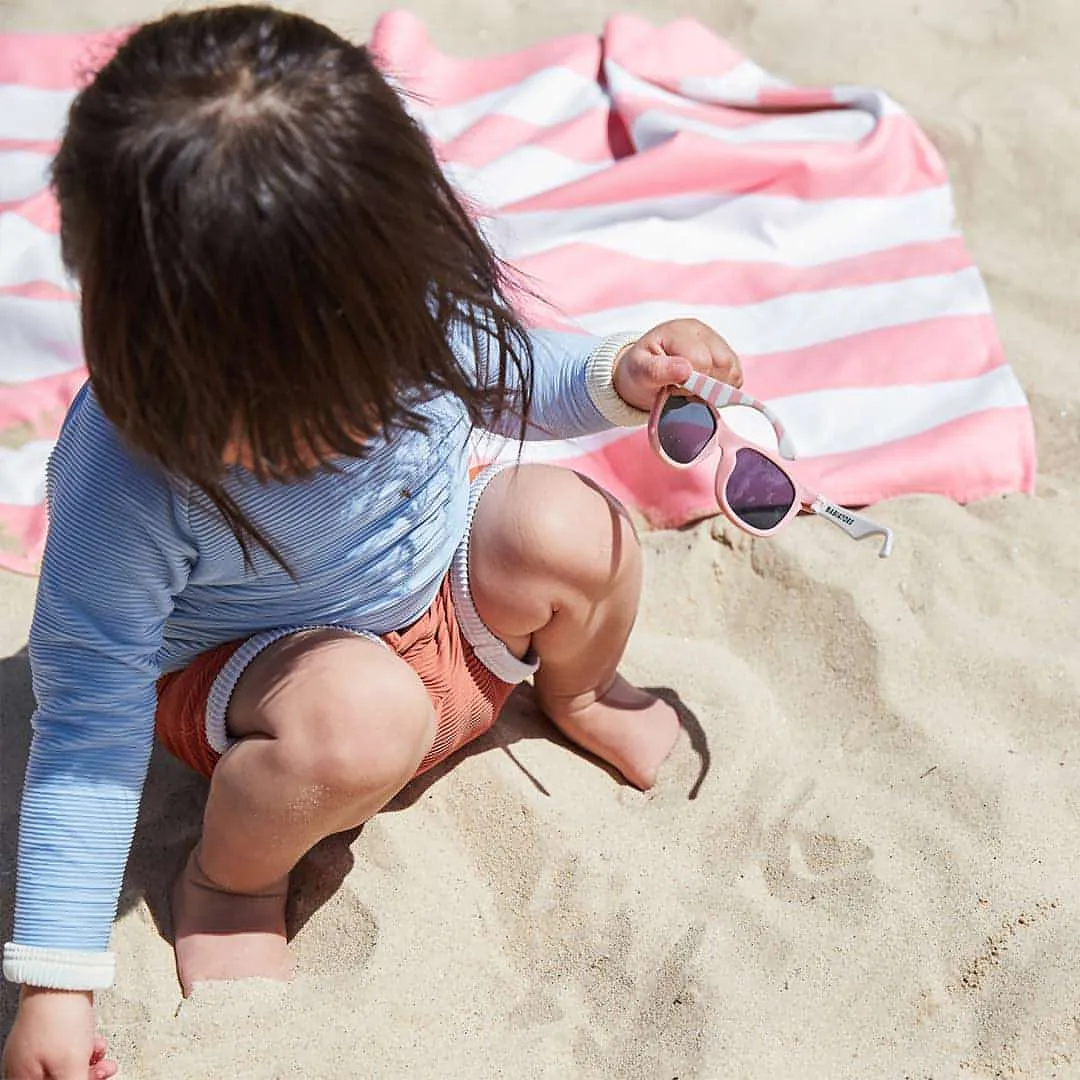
<point x="467" y="696"/>
<point x="468" y="672"/>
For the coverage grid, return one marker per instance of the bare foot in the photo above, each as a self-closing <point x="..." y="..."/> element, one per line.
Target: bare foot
<point x="627" y="727"/>
<point x="224" y="935"/>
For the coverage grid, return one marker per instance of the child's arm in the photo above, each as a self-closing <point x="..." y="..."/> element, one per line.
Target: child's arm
<point x="116" y="556"/>
<point x="572" y="390"/>
<point x="583" y="385"/>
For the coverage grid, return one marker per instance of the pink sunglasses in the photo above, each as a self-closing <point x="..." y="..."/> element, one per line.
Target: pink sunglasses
<point x="754" y="487"/>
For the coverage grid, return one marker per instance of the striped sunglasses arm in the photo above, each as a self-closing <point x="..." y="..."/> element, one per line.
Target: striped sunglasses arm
<point x="719" y="394"/>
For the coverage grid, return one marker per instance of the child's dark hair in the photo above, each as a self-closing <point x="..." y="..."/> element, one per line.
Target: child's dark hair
<point x="268" y="251"/>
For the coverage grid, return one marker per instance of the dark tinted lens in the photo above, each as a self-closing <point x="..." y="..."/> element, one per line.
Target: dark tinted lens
<point x="684" y="428"/>
<point x="757" y="491"/>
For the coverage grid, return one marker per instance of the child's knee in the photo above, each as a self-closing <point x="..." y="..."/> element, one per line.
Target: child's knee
<point x="362" y="727"/>
<point x="555" y="522"/>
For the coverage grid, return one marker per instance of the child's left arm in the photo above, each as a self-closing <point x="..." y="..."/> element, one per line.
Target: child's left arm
<point x="583" y="385"/>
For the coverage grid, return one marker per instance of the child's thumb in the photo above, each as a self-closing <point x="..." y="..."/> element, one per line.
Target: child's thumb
<point x="674" y="370"/>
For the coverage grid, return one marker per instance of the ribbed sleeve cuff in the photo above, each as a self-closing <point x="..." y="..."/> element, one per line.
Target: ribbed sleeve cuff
<point x="598" y="377"/>
<point x="58" y="969"/>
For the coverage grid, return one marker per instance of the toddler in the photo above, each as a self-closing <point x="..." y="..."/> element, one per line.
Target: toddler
<point x="264" y="542"/>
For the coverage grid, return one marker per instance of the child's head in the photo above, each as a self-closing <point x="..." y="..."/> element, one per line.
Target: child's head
<point x="268" y="251"/>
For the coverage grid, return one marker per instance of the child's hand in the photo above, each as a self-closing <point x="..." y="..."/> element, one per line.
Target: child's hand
<point x="53" y="1039"/>
<point x="669" y="354"/>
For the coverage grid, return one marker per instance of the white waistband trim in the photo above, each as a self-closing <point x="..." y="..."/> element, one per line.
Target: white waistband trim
<point x="490" y="650"/>
<point x="221" y="691"/>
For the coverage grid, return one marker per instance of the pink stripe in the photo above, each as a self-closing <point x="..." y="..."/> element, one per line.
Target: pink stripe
<point x="40" y="210"/>
<point x="569" y="275"/>
<point x="47" y="147"/>
<point x="796" y="98"/>
<point x="401" y="40"/>
<point x="22" y="537"/>
<point x="895" y="160"/>
<point x="971" y="458"/>
<point x="538" y="312"/>
<point x="651" y="51"/>
<point x="587" y="137"/>
<point x="715" y="115"/>
<point x="55" y="61"/>
<point x="938" y="350"/>
<point x="38" y="290"/>
<point x="41" y="404"/>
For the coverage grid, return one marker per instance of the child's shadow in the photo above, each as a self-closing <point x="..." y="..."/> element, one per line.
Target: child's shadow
<point x="171" y="812"/>
<point x="522" y="721"/>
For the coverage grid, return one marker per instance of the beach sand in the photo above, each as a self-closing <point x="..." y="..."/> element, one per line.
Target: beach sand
<point x="864" y="860"/>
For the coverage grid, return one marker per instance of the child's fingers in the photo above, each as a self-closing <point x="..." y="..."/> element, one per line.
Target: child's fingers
<point x="104" y="1070"/>
<point x="706" y="350"/>
<point x="100" y="1068"/>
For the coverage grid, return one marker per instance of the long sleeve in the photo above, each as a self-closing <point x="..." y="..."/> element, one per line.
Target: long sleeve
<point x="572" y="391"/>
<point x="115" y="558"/>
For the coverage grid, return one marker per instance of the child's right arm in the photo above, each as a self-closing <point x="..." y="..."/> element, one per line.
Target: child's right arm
<point x="117" y="554"/>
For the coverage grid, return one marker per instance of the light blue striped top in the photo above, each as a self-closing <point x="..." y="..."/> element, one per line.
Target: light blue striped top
<point x="140" y="575"/>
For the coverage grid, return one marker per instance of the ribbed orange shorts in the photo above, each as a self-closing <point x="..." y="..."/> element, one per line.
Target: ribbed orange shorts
<point x="467" y="696"/>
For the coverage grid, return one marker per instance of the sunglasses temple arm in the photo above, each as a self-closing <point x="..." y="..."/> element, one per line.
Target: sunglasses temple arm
<point x="853" y="524"/>
<point x="720" y="394"/>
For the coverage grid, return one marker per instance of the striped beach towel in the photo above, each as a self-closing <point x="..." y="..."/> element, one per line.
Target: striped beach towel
<point x="642" y="175"/>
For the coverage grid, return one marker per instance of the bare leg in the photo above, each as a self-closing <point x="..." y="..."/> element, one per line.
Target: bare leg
<point x="554" y="563"/>
<point x="331" y="727"/>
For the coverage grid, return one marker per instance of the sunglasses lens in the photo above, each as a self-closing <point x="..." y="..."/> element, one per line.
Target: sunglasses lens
<point x="759" y="492"/>
<point x="684" y="429"/>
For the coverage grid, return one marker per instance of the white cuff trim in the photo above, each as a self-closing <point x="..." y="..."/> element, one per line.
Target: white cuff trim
<point x="58" y="969"/>
<point x="599" y="372"/>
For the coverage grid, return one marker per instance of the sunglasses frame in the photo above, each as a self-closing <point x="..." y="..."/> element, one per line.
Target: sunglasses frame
<point x="716" y="396"/>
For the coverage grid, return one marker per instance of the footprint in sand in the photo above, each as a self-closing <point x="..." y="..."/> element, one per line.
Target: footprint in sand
<point x="806" y="865"/>
<point x="797" y="862"/>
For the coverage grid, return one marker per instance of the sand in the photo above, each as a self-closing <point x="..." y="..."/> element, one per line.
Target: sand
<point x="866" y="863"/>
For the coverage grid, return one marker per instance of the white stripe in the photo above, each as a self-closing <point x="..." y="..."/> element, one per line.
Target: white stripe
<point x="868" y="99"/>
<point x="32" y="114"/>
<point x="28" y="254"/>
<point x="740" y="85"/>
<point x="843" y="421"/>
<point x="695" y="229"/>
<point x="624" y="83"/>
<point x="816" y="125"/>
<point x="828" y="125"/>
<point x="548" y="97"/>
<point x="494" y="448"/>
<point x="22" y="174"/>
<point x="520" y="174"/>
<point x="799" y="320"/>
<point x="22" y="473"/>
<point x="821" y="423"/>
<point x="37" y="338"/>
